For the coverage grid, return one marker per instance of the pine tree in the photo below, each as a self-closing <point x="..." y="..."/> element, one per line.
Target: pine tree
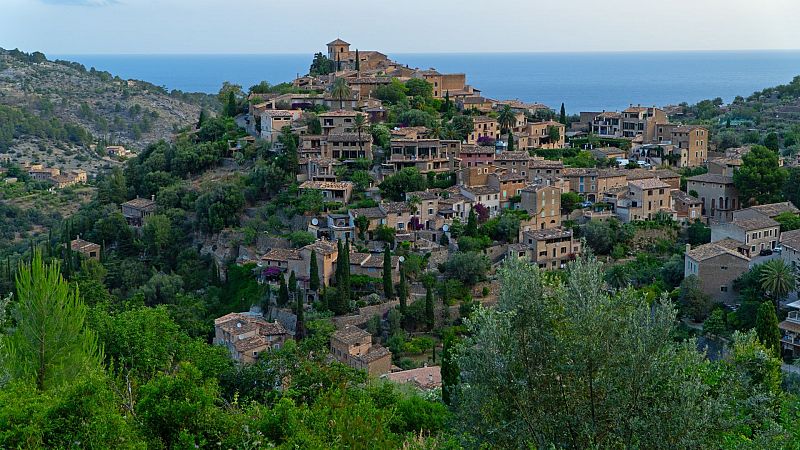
<point x="447" y="101"/>
<point x="51" y="343"/>
<point x="767" y="327"/>
<point x="510" y="147"/>
<point x="387" y="273"/>
<point x="313" y="271"/>
<point x="429" y="313"/>
<point x="562" y="117"/>
<point x="283" y="293"/>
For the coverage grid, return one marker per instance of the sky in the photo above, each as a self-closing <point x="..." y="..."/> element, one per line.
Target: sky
<point x="408" y="26"/>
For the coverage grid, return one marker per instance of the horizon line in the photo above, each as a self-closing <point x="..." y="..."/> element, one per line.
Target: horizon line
<point x="543" y="52"/>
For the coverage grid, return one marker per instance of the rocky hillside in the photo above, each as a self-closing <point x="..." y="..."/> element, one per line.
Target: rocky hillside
<point x="57" y="110"/>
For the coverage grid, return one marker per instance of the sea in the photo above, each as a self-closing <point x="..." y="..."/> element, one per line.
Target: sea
<point x="582" y="81"/>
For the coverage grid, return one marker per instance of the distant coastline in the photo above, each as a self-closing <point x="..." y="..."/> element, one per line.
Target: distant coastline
<point x="583" y="81"/>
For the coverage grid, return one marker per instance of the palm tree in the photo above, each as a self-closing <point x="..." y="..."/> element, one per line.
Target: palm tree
<point x="777" y="279"/>
<point x="340" y="91"/>
<point x="359" y="124"/>
<point x="506" y="118"/>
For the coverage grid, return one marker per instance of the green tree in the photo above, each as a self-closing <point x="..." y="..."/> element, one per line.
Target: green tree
<point x="506" y="118"/>
<point x="341" y="91"/>
<point x="231" y="108"/>
<point x="715" y="324"/>
<point x="313" y="271"/>
<point x="562" y="116"/>
<point x="767" y="328"/>
<point x="791" y="189"/>
<point x="362" y="223"/>
<point x="387" y="273"/>
<point x="510" y="147"/>
<point x="772" y="142"/>
<point x="449" y="368"/>
<point x="698" y="233"/>
<point x="788" y="220"/>
<point x="51" y="344"/>
<point x="416" y="87"/>
<point x="402" y="291"/>
<point x="283" y="293"/>
<point x="292" y="285"/>
<point x="471" y="229"/>
<point x="554" y="134"/>
<point x="569" y="201"/>
<point x="760" y="179"/>
<point x="577" y="392"/>
<point x="696" y="302"/>
<point x="360" y="125"/>
<point x="468" y="268"/>
<point x="777" y="279"/>
<point x="406" y="180"/>
<point x="321" y="65"/>
<point x="429" y="311"/>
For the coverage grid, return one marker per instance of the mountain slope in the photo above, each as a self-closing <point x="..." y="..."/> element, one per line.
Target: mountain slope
<point x="46" y="97"/>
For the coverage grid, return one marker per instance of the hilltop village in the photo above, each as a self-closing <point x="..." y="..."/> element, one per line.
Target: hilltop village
<point x="425" y="185"/>
<point x="378" y="256"/>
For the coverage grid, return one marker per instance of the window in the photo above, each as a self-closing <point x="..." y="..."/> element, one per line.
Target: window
<point x="723" y="288"/>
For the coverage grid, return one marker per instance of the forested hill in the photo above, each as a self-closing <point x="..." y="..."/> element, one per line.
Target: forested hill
<point x="68" y="105"/>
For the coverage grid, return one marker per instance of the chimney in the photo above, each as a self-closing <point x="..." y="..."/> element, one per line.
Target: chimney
<point x="688" y="247"/>
<point x="153" y="197"/>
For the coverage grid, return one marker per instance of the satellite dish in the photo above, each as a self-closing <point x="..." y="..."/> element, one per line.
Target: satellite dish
<point x="402" y="258"/>
<point x="315" y="221"/>
<point x="446" y="228"/>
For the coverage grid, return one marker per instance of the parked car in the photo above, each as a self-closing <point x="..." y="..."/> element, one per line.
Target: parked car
<point x="765" y="252"/>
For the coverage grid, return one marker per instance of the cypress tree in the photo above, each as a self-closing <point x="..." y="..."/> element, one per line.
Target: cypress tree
<point x="450" y="371"/>
<point x="387" y="273"/>
<point x="510" y="147"/>
<point x="563" y="115"/>
<point x="313" y="272"/>
<point x="402" y="290"/>
<point x="230" y="105"/>
<point x="299" y="329"/>
<point x="292" y="287"/>
<point x="201" y="120"/>
<point x="358" y="62"/>
<point x="767" y="328"/>
<point x="472" y="224"/>
<point x="283" y="293"/>
<point x="429" y="313"/>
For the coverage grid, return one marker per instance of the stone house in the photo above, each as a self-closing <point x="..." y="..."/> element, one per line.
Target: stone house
<point x="88" y="249"/>
<point x="353" y="346"/>
<point x="717" y="265"/>
<point x="542" y="202"/>
<point x="137" y="210"/>
<point x="719" y="196"/>
<point x="247" y="335"/>
<point x="332" y="191"/>
<point x="750" y="227"/>
<point x="550" y="249"/>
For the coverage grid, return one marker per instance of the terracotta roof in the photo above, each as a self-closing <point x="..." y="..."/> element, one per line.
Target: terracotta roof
<point x="712" y="178"/>
<point x="395" y="207"/>
<point x="352" y="335"/>
<point x="339" y="113"/>
<point x="281" y="254"/>
<point x="375" y="353"/>
<point x="79" y="245"/>
<point x="791" y="239"/>
<point x="684" y="197"/>
<point x="338" y="42"/>
<point x="712" y="250"/>
<point x="325" y="185"/>
<point x="370" y="213"/>
<point x="750" y="219"/>
<point x="322" y="247"/>
<point x="478" y="119"/>
<point x="481" y="190"/>
<point x="141" y="203"/>
<point x="423" y="377"/>
<point x="789" y="325"/>
<point x="775" y="209"/>
<point x="543" y="235"/>
<point x="349" y="137"/>
<point x="649" y="183"/>
<point x="513" y="156"/>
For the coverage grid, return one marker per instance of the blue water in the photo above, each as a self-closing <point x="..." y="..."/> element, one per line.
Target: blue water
<point x="583" y="81"/>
